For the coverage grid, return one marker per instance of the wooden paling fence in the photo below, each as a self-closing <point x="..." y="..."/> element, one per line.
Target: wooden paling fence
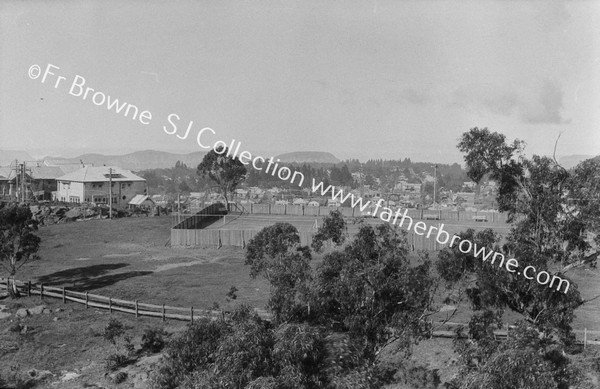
<point x="111" y="304"/>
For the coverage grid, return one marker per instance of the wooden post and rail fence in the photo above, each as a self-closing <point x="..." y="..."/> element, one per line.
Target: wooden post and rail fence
<point x="190" y="314"/>
<point x="109" y="303"/>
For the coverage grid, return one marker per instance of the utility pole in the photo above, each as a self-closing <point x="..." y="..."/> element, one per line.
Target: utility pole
<point x="434" y="182"/>
<point x="16" y="187"/>
<point x="23" y="187"/>
<point x="110" y="193"/>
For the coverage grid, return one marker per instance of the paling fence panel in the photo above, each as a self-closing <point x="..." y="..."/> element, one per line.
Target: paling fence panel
<point x="296" y="210"/>
<point x="208" y="238"/>
<point x="232" y="238"/>
<point x="346" y="211"/>
<point x="261" y="208"/>
<point x="278" y="209"/>
<point x="311" y="211"/>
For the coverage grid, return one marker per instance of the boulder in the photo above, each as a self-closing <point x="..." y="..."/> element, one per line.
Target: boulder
<point x="59" y="211"/>
<point x="22" y="312"/>
<point x="69" y="376"/>
<point x="37" y="310"/>
<point x="74" y="213"/>
<point x="89" y="212"/>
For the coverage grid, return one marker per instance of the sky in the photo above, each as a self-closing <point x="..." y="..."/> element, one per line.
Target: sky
<point x="359" y="79"/>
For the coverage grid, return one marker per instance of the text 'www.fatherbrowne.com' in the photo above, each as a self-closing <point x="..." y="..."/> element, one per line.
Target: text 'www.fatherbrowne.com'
<point x="438" y="233"/>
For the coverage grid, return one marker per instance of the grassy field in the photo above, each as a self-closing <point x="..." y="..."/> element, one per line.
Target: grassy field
<point x="127" y="259"/>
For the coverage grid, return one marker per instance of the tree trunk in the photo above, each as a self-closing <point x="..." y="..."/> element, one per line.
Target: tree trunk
<point x="13" y="292"/>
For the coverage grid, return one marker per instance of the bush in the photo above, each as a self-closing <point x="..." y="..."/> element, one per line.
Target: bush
<point x="188" y="353"/>
<point x="417" y="377"/>
<point x="153" y="340"/>
<point x="113" y="331"/>
<point x="116" y="361"/>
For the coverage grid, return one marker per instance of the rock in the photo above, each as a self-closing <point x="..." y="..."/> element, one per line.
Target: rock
<point x="24" y="330"/>
<point x="59" y="211"/>
<point x="39" y="375"/>
<point x="37" y="310"/>
<point x="89" y="212"/>
<point x="58" y="310"/>
<point x="55" y="319"/>
<point x="46" y="311"/>
<point x="22" y="312"/>
<point x="4" y="315"/>
<point x="74" y="213"/>
<point x="69" y="376"/>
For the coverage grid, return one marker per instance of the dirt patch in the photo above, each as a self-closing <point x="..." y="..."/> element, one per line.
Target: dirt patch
<point x="171" y="266"/>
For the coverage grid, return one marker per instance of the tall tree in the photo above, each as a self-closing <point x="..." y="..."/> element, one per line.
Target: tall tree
<point x="227" y="172"/>
<point x="549" y="208"/>
<point x="18" y="242"/>
<point x="276" y="254"/>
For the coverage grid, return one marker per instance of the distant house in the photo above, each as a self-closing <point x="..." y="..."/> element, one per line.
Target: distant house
<point x="333" y="203"/>
<point x="299" y="201"/>
<point x="313" y="203"/>
<point x="141" y="201"/>
<point x="91" y="184"/>
<point x="415" y="188"/>
<point x="39" y="179"/>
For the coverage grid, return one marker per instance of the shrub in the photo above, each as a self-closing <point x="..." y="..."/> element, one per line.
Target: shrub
<point x="153" y="340"/>
<point x="417" y="377"/>
<point x="113" y="331"/>
<point x="116" y="361"/>
<point x="188" y="353"/>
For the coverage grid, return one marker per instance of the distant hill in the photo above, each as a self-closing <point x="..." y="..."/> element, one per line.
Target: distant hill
<point x="8" y="156"/>
<point x="139" y="160"/>
<point x="308" y="156"/>
<point x="570" y="161"/>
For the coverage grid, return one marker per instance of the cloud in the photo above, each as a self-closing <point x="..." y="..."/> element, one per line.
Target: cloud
<point x="408" y="95"/>
<point x="546" y="106"/>
<point x="533" y="104"/>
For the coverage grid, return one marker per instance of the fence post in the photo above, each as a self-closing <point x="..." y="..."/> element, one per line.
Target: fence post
<point x="110" y="305"/>
<point x="584" y="338"/>
<point x="28" y="288"/>
<point x="86" y="300"/>
<point x="163" y="312"/>
<point x="136" y="308"/>
<point x="42" y="290"/>
<point x="192" y="314"/>
<point x="64" y="297"/>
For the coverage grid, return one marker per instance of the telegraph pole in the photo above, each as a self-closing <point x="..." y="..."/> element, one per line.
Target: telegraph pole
<point x="110" y="193"/>
<point x="23" y="195"/>
<point x="434" y="182"/>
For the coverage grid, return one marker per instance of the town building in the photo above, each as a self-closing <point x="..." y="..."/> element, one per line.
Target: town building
<point x="93" y="184"/>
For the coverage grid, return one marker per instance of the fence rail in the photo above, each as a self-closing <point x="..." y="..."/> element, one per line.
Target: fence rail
<point x="189" y="313"/>
<point x="111" y="304"/>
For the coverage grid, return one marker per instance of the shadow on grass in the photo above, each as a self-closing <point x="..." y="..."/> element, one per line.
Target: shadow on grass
<point x="90" y="277"/>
